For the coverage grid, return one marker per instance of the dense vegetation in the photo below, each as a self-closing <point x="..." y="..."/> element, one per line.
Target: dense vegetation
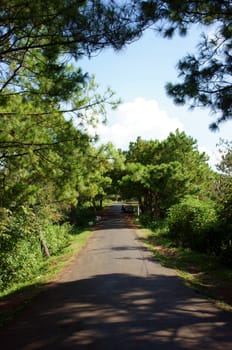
<point x="51" y="171"/>
<point x="177" y="189"/>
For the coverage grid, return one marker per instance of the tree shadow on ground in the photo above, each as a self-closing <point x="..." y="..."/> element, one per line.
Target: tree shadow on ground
<point x="120" y="311"/>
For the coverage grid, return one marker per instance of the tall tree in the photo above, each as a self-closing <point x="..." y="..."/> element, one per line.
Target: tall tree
<point x="44" y="146"/>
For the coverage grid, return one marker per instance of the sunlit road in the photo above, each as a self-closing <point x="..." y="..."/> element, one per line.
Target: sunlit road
<point x="116" y="296"/>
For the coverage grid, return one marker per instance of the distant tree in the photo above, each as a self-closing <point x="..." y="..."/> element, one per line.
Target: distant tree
<point x="160" y="173"/>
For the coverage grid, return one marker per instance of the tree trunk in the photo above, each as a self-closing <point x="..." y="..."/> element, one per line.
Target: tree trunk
<point x="44" y="247"/>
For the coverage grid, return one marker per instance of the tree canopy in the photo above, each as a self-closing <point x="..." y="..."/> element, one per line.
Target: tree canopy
<point x="63" y="29"/>
<point x="206" y="75"/>
<point x="159" y="173"/>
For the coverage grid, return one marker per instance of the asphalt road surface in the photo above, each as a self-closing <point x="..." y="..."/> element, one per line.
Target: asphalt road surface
<point x="116" y="296"/>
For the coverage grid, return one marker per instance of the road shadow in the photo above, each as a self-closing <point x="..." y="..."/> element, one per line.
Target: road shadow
<point x="120" y="311"/>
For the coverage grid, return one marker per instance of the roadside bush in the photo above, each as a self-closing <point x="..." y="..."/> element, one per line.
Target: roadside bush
<point x="222" y="241"/>
<point x="155" y="225"/>
<point x="191" y="222"/>
<point x="226" y="253"/>
<point x="146" y="220"/>
<point x="57" y="237"/>
<point x="21" y="253"/>
<point x="84" y="215"/>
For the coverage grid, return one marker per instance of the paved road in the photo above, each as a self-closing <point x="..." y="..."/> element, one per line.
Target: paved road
<point x="115" y="296"/>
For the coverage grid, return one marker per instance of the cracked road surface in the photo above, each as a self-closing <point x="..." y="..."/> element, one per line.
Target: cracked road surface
<point x="116" y="296"/>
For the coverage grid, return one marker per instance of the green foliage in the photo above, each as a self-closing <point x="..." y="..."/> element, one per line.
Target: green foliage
<point x="158" y="227"/>
<point x="160" y="173"/>
<point x="57" y="237"/>
<point x="221" y="235"/>
<point x="190" y="223"/>
<point x="205" y="76"/>
<point x="21" y="254"/>
<point x="84" y="215"/>
<point x="147" y="220"/>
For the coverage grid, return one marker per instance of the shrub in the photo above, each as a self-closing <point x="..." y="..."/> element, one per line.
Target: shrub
<point x="190" y="223"/>
<point x="84" y="215"/>
<point x="21" y="256"/>
<point x="146" y="220"/>
<point x="221" y="242"/>
<point x="20" y="251"/>
<point x="57" y="237"/>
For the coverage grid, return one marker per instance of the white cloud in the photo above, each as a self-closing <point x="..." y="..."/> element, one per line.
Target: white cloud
<point x="140" y="117"/>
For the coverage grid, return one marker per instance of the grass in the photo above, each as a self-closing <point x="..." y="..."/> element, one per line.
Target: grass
<point x="14" y="299"/>
<point x="202" y="272"/>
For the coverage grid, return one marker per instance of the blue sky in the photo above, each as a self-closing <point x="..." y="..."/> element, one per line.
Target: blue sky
<point x="138" y="74"/>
